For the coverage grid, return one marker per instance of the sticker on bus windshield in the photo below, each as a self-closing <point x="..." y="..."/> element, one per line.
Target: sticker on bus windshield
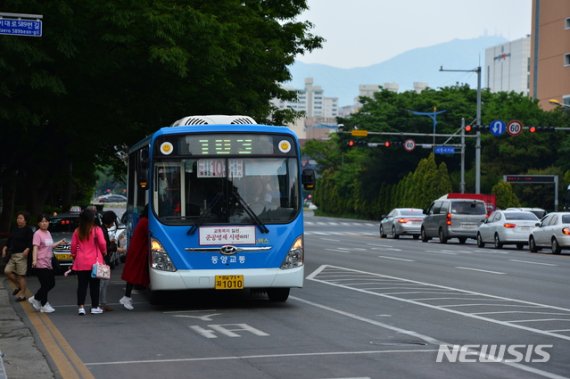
<point x="216" y="168"/>
<point x="223" y="235"/>
<point x="284" y="146"/>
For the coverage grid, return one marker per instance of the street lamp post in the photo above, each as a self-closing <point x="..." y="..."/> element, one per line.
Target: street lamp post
<point x="478" y="141"/>
<point x="558" y="103"/>
<point x="433" y="116"/>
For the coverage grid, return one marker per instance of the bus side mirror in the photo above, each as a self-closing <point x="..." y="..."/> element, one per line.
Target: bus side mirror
<point x="308" y="178"/>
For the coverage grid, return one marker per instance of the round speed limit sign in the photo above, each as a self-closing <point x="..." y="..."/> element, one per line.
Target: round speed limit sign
<point x="409" y="145"/>
<point x="514" y="128"/>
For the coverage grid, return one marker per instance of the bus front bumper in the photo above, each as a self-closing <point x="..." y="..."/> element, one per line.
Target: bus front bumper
<point x="205" y="279"/>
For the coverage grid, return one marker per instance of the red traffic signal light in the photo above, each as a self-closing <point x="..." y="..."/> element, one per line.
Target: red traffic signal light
<point x="350" y="143"/>
<point x="387" y="143"/>
<point x="532" y="129"/>
<point x="468" y="128"/>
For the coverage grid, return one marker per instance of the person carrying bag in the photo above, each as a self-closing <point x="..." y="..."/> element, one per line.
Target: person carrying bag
<point x="87" y="248"/>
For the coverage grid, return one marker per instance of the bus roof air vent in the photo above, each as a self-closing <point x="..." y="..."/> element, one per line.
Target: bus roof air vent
<point x="214" y="119"/>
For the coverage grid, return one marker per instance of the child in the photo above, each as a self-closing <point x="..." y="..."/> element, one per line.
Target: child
<point x="42" y="261"/>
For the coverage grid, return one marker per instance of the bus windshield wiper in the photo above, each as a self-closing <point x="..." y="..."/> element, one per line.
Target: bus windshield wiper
<point x="250" y="212"/>
<point x="207" y="212"/>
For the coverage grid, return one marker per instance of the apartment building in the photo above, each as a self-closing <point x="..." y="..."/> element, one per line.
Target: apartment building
<point x="550" y="52"/>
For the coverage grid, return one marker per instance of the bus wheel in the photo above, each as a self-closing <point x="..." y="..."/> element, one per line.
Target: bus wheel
<point x="156" y="298"/>
<point x="278" y="294"/>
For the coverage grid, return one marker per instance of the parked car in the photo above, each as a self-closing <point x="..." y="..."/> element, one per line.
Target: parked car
<point x="453" y="218"/>
<point x="402" y="221"/>
<point x="112" y="198"/>
<point x="539" y="212"/>
<point x="553" y="231"/>
<point x="506" y="227"/>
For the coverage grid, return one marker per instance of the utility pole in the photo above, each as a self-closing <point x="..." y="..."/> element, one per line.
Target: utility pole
<point x="462" y="182"/>
<point x="478" y="142"/>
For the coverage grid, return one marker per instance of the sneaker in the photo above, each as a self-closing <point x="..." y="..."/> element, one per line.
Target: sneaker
<point x="47" y="308"/>
<point x="81" y="311"/>
<point x="96" y="311"/>
<point x="127" y="302"/>
<point x="35" y="303"/>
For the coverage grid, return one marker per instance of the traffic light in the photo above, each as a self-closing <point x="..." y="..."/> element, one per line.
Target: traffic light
<point x="537" y="129"/>
<point x="468" y="128"/>
<point x="387" y="143"/>
<point x="350" y="143"/>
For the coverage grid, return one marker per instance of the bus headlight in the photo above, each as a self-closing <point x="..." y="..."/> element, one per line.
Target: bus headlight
<point x="159" y="259"/>
<point x="295" y="256"/>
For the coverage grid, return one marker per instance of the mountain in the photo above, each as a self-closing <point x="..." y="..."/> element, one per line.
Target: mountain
<point x="417" y="65"/>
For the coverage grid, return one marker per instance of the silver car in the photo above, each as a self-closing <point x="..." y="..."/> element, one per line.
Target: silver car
<point x="506" y="227"/>
<point x="553" y="231"/>
<point x="402" y="221"/>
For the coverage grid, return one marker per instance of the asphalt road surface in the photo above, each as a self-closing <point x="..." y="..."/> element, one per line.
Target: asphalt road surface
<point x="370" y="308"/>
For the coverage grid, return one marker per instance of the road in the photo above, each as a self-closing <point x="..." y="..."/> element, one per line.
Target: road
<point x="370" y="308"/>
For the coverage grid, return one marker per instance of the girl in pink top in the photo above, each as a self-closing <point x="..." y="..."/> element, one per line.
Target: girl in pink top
<point x="88" y="246"/>
<point x="41" y="260"/>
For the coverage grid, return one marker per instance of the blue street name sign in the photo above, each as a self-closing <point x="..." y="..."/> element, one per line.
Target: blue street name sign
<point x="444" y="150"/>
<point x="21" y="27"/>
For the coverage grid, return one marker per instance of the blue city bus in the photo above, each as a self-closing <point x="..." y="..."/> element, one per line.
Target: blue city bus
<point x="224" y="198"/>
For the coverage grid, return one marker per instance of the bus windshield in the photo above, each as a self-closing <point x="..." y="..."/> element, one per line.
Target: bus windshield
<point x="228" y="190"/>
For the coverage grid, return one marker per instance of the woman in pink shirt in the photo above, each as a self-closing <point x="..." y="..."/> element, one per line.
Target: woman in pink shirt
<point x="88" y="246"/>
<point x="41" y="261"/>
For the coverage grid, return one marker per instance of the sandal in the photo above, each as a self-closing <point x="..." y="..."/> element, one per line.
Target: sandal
<point x="21" y="298"/>
<point x="15" y="292"/>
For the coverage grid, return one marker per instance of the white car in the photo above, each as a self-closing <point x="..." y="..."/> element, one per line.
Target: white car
<point x="402" y="221"/>
<point x="506" y="227"/>
<point x="552" y="232"/>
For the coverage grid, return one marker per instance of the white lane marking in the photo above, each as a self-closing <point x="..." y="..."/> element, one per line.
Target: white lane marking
<point x="396" y="259"/>
<point x="313" y="275"/>
<point x="424" y="337"/>
<point x="534" y="263"/>
<point x="542" y="320"/>
<point x="525" y="312"/>
<point x="479" y="270"/>
<point x="440" y="252"/>
<point x="262" y="356"/>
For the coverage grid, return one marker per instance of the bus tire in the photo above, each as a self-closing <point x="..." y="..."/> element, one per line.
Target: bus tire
<point x="156" y="298"/>
<point x="278" y="294"/>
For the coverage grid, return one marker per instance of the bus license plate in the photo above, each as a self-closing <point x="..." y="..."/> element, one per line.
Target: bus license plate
<point x="229" y="282"/>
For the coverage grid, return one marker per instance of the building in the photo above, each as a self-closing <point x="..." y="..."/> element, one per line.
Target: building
<point x="550" y="52"/>
<point x="507" y="67"/>
<point x="312" y="101"/>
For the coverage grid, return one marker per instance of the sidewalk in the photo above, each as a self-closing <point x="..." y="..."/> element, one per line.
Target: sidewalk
<point x="20" y="357"/>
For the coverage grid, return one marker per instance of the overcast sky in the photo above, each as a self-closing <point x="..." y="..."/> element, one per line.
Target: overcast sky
<point x="364" y="32"/>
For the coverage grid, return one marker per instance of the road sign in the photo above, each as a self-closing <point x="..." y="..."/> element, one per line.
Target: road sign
<point x="514" y="127"/>
<point x="531" y="179"/>
<point x="409" y="145"/>
<point x="497" y="127"/>
<point x="444" y="150"/>
<point x="359" y="133"/>
<point x="24" y="28"/>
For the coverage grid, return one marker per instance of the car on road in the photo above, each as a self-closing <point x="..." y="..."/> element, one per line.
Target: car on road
<point x="112" y="198"/>
<point x="539" y="212"/>
<point x="453" y="218"/>
<point x="62" y="226"/>
<point x="402" y="221"/>
<point x="552" y="232"/>
<point x="506" y="227"/>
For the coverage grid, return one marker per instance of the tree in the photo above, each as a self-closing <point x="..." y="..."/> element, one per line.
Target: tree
<point x="505" y="196"/>
<point x="68" y="98"/>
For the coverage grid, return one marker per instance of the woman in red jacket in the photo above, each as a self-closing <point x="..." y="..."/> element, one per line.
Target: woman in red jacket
<point x="88" y="246"/>
<point x="135" y="271"/>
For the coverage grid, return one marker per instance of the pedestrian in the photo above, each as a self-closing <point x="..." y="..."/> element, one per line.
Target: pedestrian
<point x="42" y="255"/>
<point x="109" y="219"/>
<point x="18" y="248"/>
<point x="87" y="248"/>
<point x="136" y="271"/>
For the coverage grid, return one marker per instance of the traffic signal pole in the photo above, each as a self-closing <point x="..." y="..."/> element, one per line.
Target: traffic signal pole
<point x="462" y="181"/>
